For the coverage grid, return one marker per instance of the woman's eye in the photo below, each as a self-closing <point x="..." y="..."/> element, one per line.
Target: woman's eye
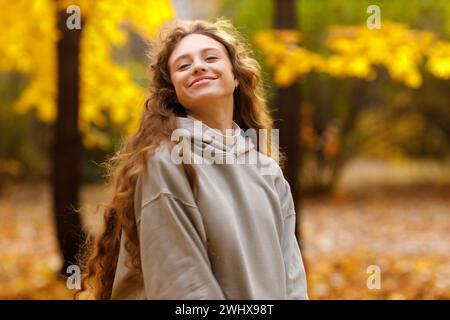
<point x="183" y="66"/>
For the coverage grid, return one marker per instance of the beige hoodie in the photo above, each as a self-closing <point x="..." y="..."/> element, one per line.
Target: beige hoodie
<point x="235" y="241"/>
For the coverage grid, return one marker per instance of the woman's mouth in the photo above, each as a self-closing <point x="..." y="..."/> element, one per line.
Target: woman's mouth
<point x="202" y="81"/>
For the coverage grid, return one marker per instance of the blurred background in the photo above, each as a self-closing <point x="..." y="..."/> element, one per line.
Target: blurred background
<point x="361" y="94"/>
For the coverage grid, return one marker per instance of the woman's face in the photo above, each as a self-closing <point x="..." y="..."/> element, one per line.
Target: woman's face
<point x="201" y="72"/>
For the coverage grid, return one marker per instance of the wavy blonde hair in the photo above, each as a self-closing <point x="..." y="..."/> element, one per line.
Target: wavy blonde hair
<point x="157" y="124"/>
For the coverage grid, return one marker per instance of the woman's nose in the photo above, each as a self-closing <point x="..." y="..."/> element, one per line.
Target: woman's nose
<point x="198" y="66"/>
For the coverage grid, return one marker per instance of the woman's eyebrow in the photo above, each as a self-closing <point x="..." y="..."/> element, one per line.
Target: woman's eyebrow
<point x="187" y="54"/>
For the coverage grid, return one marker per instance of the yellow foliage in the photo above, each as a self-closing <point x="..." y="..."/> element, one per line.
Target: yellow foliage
<point x="356" y="50"/>
<point x="272" y="47"/>
<point x="439" y="60"/>
<point x="288" y="60"/>
<point x="28" y="45"/>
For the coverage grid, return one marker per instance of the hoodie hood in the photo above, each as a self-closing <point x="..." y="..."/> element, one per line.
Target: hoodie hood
<point x="211" y="144"/>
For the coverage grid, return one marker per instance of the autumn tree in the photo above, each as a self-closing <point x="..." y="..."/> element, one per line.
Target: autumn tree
<point x="74" y="70"/>
<point x="359" y="53"/>
<point x="287" y="115"/>
<point x="66" y="175"/>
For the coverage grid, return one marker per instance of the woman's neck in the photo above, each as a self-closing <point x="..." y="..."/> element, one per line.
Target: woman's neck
<point x="220" y="121"/>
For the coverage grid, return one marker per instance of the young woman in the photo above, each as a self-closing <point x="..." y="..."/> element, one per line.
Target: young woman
<point x="198" y="230"/>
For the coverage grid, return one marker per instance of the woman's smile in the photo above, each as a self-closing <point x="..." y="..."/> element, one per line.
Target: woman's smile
<point x="202" y="81"/>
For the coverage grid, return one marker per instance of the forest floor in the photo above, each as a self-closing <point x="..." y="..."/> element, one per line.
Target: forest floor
<point x="394" y="218"/>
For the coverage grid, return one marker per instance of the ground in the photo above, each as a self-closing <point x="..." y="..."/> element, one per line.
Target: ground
<point x="395" y="217"/>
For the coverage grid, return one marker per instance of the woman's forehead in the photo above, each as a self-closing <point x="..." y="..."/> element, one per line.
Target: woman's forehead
<point x="195" y="43"/>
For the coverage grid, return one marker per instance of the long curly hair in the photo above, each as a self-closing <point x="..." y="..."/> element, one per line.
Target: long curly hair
<point x="159" y="120"/>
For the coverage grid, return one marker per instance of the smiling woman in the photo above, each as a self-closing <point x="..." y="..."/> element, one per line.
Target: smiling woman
<point x="198" y="231"/>
<point x="202" y="75"/>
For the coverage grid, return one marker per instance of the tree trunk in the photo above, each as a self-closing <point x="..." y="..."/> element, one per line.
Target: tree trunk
<point x="66" y="175"/>
<point x="288" y="110"/>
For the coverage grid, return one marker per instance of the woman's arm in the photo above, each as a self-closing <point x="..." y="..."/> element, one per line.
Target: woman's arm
<point x="175" y="262"/>
<point x="174" y="257"/>
<point x="296" y="287"/>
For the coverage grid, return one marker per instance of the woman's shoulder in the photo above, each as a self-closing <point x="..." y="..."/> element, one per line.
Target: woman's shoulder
<point x="161" y="155"/>
<point x="269" y="166"/>
<point x="162" y="175"/>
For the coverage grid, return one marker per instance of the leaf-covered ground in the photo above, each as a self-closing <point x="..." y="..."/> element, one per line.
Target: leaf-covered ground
<point x="403" y="229"/>
<point x="406" y="233"/>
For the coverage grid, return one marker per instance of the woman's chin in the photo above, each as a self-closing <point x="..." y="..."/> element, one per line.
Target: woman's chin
<point x="207" y="94"/>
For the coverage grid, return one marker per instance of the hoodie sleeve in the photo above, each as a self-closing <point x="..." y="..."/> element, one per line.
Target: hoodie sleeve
<point x="295" y="271"/>
<point x="296" y="286"/>
<point x="174" y="257"/>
